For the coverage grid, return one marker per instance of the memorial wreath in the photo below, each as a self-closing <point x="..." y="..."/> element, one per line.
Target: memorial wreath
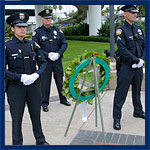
<point x="71" y="69"/>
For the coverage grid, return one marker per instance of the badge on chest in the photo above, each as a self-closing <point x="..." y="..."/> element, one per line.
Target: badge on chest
<point x="44" y="38"/>
<point x="139" y="31"/>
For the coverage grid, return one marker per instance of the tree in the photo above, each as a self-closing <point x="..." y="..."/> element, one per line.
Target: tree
<point x="59" y="21"/>
<point x="47" y="7"/>
<point x="72" y="13"/>
<point x="141" y="9"/>
<point x="55" y="7"/>
<point x="60" y="7"/>
<point x="8" y="32"/>
<point x="66" y="14"/>
<point x="105" y="12"/>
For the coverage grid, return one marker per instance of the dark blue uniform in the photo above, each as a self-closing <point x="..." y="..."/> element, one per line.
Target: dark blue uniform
<point x="51" y="40"/>
<point x="126" y="75"/>
<point x="19" y="94"/>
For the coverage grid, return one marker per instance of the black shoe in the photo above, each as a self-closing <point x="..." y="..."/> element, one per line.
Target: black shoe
<point x="117" y="125"/>
<point x="139" y="115"/>
<point x="45" y="109"/>
<point x="66" y="103"/>
<point x="42" y="143"/>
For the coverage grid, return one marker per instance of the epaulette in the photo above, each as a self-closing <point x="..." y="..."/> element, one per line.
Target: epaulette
<point x="37" y="45"/>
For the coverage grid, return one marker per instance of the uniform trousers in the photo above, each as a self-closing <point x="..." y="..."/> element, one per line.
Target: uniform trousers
<point x="18" y="96"/>
<point x="126" y="76"/>
<point x="56" y="68"/>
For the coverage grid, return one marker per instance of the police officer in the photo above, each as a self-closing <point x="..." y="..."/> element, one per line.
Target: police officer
<point x="131" y="48"/>
<point x="54" y="44"/>
<point x="21" y="57"/>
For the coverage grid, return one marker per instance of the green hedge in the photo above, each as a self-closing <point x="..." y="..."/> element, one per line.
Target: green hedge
<point x="81" y="29"/>
<point x="88" y="38"/>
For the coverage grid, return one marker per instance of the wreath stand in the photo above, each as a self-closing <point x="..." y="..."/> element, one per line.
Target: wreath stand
<point x="97" y="96"/>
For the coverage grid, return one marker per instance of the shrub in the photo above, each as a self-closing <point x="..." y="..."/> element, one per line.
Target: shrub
<point x="82" y="29"/>
<point x="71" y="30"/>
<point x="104" y="30"/>
<point x="88" y="38"/>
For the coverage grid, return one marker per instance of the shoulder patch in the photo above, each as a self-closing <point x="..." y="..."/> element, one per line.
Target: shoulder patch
<point x="5" y="47"/>
<point x="34" y="33"/>
<point x="37" y="45"/>
<point x="60" y="31"/>
<point x="118" y="31"/>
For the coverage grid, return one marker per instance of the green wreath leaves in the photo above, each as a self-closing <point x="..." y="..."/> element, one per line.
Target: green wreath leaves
<point x="71" y="71"/>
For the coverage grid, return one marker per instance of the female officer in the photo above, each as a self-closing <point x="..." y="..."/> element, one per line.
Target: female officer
<point x="21" y="57"/>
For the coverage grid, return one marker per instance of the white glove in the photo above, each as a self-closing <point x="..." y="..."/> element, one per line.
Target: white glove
<point x="134" y="66"/>
<point x="54" y="57"/>
<point x="31" y="79"/>
<point x="23" y="77"/>
<point x="50" y="55"/>
<point x="141" y="63"/>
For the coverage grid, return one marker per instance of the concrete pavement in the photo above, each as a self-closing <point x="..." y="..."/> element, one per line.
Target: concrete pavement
<point x="54" y="123"/>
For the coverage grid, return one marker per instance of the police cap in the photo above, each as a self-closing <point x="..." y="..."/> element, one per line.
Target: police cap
<point x="46" y="13"/>
<point x="18" y="19"/>
<point x="130" y="8"/>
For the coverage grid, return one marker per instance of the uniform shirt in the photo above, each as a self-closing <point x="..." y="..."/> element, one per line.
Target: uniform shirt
<point x="15" y="60"/>
<point x="126" y="42"/>
<point x="55" y="42"/>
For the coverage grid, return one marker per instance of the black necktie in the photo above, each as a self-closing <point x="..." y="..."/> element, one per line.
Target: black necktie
<point x="27" y="66"/>
<point x="50" y="39"/>
<point x="135" y="37"/>
<point x="48" y="34"/>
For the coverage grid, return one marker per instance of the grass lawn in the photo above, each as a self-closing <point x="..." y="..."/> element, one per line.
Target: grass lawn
<point x="76" y="48"/>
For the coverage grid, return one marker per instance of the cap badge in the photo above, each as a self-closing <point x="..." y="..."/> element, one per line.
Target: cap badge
<point x="47" y="11"/>
<point x="21" y="16"/>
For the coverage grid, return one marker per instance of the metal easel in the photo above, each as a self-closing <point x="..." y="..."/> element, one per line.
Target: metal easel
<point x="97" y="98"/>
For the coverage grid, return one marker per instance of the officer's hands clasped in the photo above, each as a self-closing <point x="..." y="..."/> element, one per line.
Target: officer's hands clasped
<point x="29" y="79"/>
<point x="139" y="65"/>
<point x="53" y="56"/>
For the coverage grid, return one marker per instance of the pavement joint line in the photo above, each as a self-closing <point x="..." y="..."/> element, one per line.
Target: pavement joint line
<point x="126" y="139"/>
<point x="77" y="139"/>
<point x="118" y="139"/>
<point x="112" y="136"/>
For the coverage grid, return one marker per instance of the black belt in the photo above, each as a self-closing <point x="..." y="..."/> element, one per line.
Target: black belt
<point x="20" y="83"/>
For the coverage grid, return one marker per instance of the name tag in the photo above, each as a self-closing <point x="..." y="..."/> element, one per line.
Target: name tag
<point x="26" y="57"/>
<point x="14" y="54"/>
